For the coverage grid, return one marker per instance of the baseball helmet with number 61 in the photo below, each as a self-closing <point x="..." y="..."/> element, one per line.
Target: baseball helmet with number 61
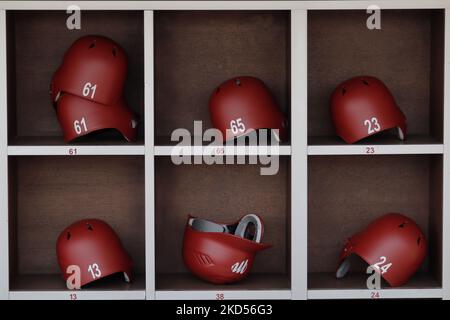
<point x="87" y="89"/>
<point x="364" y="106"/>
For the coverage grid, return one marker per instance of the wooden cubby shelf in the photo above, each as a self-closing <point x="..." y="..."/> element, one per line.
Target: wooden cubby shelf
<point x="179" y="52"/>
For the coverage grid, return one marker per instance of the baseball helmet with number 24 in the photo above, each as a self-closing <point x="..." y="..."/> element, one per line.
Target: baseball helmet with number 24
<point x="393" y="245"/>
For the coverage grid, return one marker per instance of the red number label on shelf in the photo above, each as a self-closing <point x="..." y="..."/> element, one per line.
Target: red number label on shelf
<point x="220" y="296"/>
<point x="73" y="296"/>
<point x="220" y="151"/>
<point x="370" y="150"/>
<point x="72" y="151"/>
<point x="375" y="295"/>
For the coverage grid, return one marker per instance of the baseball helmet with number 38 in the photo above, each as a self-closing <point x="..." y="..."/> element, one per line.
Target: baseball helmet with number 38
<point x="92" y="246"/>
<point x="243" y="104"/>
<point x="393" y="245"/>
<point x="87" y="89"/>
<point x="364" y="106"/>
<point x="222" y="253"/>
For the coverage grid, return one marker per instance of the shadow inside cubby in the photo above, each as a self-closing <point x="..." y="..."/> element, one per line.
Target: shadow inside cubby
<point x="36" y="43"/>
<point x="47" y="194"/>
<point x="221" y="193"/>
<point x="346" y="193"/>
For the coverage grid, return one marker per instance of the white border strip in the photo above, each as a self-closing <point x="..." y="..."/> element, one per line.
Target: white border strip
<point x="77" y="295"/>
<point x="446" y="166"/>
<point x="380" y="294"/>
<point x="227" y="295"/>
<point x="225" y="150"/>
<point x="4" y="208"/>
<point x="222" y="5"/>
<point x="73" y="150"/>
<point x="299" y="159"/>
<point x="371" y="150"/>
<point x="149" y="156"/>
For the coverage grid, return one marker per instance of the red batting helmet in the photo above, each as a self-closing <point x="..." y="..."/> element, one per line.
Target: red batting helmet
<point x="393" y="245"/>
<point x="221" y="253"/>
<point x="243" y="104"/>
<point x="78" y="117"/>
<point x="95" y="248"/>
<point x="363" y="106"/>
<point x="94" y="68"/>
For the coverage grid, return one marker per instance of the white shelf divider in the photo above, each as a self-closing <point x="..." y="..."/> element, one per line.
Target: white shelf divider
<point x="281" y="150"/>
<point x="370" y="150"/>
<point x="227" y="295"/>
<point x="77" y="295"/>
<point x="4" y="238"/>
<point x="318" y="294"/>
<point x="299" y="158"/>
<point x="76" y="150"/>
<point x="224" y="5"/>
<point x="149" y="155"/>
<point x="446" y="167"/>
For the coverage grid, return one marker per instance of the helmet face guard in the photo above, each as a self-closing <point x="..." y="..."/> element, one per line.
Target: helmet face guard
<point x="222" y="253"/>
<point x="79" y="117"/>
<point x="244" y="104"/>
<point x="94" y="68"/>
<point x="393" y="245"/>
<point x="364" y="106"/>
<point x="93" y="247"/>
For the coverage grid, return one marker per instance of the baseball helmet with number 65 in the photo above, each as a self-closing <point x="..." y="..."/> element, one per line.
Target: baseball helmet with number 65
<point x="364" y="106"/>
<point x="243" y="104"/>
<point x="94" y="248"/>
<point x="393" y="245"/>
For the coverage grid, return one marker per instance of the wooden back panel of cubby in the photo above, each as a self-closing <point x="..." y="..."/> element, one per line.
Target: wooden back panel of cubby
<point x="195" y="51"/>
<point x="53" y="192"/>
<point x="221" y="193"/>
<point x="407" y="54"/>
<point x="37" y="41"/>
<point x="345" y="193"/>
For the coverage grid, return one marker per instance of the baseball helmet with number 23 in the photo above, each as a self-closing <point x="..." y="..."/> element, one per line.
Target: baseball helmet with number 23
<point x="364" y="106"/>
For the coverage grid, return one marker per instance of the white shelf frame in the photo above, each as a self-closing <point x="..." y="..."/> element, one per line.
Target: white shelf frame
<point x="228" y="295"/>
<point x="298" y="150"/>
<point x="317" y="294"/>
<point x="371" y="150"/>
<point x="72" y="150"/>
<point x="78" y="295"/>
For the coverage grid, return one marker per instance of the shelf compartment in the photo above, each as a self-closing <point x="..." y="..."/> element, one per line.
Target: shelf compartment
<point x="386" y="145"/>
<point x="421" y="286"/>
<point x="257" y="286"/>
<point x="223" y="193"/>
<point x="346" y="193"/>
<point x="32" y="60"/>
<point x="340" y="46"/>
<point x="47" y="194"/>
<point x="30" y="287"/>
<point x="195" y="51"/>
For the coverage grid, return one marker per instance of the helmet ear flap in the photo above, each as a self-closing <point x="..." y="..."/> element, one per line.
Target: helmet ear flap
<point x="245" y="225"/>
